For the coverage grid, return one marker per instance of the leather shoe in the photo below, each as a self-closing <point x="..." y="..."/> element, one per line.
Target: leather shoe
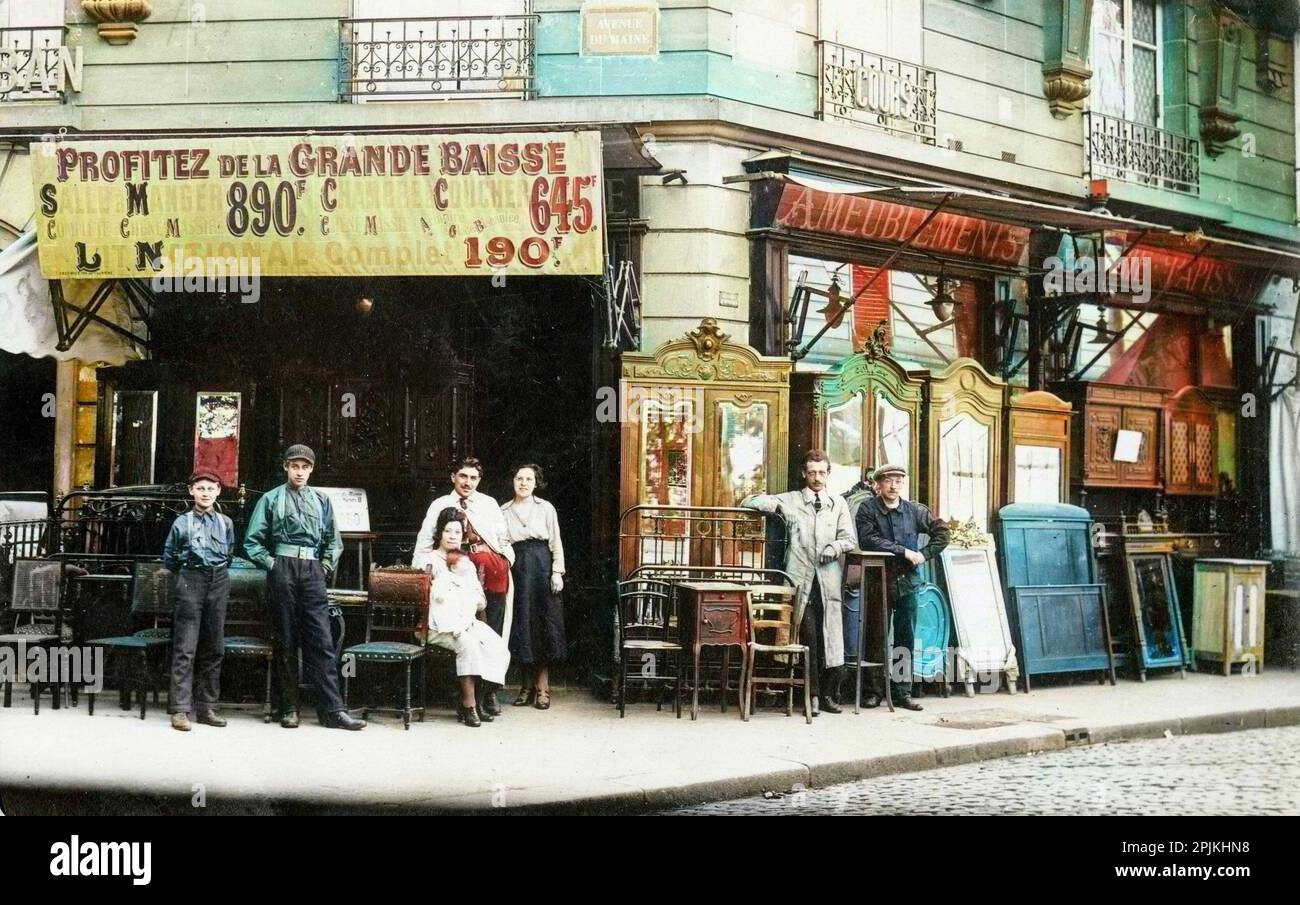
<point x="829" y="705"/>
<point x="483" y="713"/>
<point x="212" y="718"/>
<point x="181" y="721"/>
<point x="907" y="704"/>
<point x="489" y="705"/>
<point x="872" y="701"/>
<point x="341" y="719"/>
<point x="468" y="716"/>
<point x="289" y="720"/>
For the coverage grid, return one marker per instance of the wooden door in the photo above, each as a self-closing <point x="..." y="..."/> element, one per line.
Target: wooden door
<point x="1193" y="448"/>
<point x="1101" y="428"/>
<point x="1147" y="423"/>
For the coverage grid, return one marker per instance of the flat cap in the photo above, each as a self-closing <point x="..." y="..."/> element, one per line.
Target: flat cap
<point x="300" y="451"/>
<point x="888" y="471"/>
<point x="204" y="474"/>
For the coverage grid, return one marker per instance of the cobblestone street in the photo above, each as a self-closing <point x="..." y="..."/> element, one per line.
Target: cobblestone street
<point x="1241" y="773"/>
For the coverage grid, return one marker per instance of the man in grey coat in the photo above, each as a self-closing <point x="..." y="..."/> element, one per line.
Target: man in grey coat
<point x="819" y="532"/>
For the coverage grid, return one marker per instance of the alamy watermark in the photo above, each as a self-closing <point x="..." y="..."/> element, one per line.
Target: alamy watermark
<point x="1130" y="275"/>
<point x="235" y="275"/>
<point x="679" y="407"/>
<point x="40" y="664"/>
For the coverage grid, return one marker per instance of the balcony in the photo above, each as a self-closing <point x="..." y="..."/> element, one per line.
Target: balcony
<point x="35" y="65"/>
<point x="868" y="89"/>
<point x="436" y="58"/>
<point x="1141" y="154"/>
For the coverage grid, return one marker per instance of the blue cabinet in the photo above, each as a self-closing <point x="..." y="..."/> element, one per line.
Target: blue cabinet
<point x="1057" y="609"/>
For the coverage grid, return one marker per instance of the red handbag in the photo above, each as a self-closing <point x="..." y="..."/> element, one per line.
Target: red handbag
<point x="493" y="571"/>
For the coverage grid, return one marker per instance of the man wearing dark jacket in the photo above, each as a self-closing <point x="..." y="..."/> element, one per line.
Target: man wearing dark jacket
<point x="887" y="523"/>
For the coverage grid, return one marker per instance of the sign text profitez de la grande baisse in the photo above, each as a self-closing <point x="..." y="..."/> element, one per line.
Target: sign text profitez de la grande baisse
<point x="324" y="205"/>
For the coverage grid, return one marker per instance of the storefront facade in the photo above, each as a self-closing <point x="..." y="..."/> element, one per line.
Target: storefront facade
<point x="934" y="162"/>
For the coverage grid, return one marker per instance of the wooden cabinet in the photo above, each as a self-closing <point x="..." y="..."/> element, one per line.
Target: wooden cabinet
<point x="1038" y="448"/>
<point x="1191" y="444"/>
<point x="1112" y="420"/>
<point x="1228" y="612"/>
<point x="705" y="422"/>
<point x="865" y="411"/>
<point x="964" y="430"/>
<point x="376" y="430"/>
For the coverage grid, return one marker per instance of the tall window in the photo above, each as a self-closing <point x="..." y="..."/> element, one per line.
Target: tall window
<point x="1126" y="60"/>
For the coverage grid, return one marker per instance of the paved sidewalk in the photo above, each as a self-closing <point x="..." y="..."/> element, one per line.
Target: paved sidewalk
<point x="579" y="756"/>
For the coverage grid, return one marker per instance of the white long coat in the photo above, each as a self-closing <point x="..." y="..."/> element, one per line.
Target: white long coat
<point x="809" y="532"/>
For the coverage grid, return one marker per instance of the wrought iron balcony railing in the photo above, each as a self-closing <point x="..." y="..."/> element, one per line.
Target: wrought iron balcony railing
<point x="873" y="90"/>
<point x="435" y="58"/>
<point x="33" y="63"/>
<point x="1135" y="152"/>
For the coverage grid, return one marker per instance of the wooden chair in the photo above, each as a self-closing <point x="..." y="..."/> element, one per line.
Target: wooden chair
<point x="774" y="632"/>
<point x="153" y="599"/>
<point x="648" y="627"/>
<point x="37" y="610"/>
<point x="396" y="606"/>
<point x="247" y="628"/>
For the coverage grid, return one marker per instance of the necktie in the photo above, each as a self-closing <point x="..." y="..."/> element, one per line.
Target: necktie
<point x="817" y="502"/>
<point x="464" y="503"/>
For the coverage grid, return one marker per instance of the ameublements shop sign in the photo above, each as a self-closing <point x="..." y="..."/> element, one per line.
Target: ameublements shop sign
<point x="324" y="205"/>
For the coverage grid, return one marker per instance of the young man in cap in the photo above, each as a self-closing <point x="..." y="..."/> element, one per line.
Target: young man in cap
<point x="819" y="533"/>
<point x="890" y="524"/>
<point x="489" y="549"/>
<point x="293" y="535"/>
<point x="197" y="551"/>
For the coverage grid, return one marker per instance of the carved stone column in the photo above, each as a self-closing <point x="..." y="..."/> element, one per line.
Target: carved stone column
<point x="118" y="19"/>
<point x="1067" y="31"/>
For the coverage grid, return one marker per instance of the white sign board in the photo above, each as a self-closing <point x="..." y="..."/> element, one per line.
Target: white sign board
<point x="1128" y="446"/>
<point x="351" y="509"/>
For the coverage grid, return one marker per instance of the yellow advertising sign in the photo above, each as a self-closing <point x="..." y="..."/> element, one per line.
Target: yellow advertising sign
<point x="338" y="205"/>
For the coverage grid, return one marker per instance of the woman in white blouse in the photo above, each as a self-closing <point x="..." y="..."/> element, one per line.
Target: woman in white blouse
<point x="537" y="630"/>
<point x="456" y="607"/>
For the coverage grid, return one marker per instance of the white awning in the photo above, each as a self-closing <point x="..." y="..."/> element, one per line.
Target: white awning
<point x="28" y="316"/>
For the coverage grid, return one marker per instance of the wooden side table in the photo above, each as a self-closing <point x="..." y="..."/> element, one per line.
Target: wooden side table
<point x="874" y="564"/>
<point x="1228" y="612"/>
<point x="718" y="617"/>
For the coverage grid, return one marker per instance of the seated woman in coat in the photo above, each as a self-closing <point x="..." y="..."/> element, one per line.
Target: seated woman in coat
<point x="456" y="609"/>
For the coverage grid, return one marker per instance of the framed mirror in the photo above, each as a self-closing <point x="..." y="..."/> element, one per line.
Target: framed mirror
<point x="135" y="437"/>
<point x="964" y="425"/>
<point x="743" y="434"/>
<point x="965" y="489"/>
<point x="1157" y="624"/>
<point x="893" y="434"/>
<point x="979" y="614"/>
<point x="844" y="443"/>
<point x="1037" y="474"/>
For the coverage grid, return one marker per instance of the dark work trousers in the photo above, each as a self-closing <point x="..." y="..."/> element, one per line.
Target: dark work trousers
<point x="902" y="610"/>
<point x="810" y="633"/>
<point x="496" y="612"/>
<point x="198" y="639"/>
<point x="300" y="615"/>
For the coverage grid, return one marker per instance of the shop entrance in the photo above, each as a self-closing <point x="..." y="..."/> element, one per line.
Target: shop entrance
<point x="390" y="382"/>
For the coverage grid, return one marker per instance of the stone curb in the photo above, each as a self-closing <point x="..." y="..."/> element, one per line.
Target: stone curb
<point x="642" y="799"/>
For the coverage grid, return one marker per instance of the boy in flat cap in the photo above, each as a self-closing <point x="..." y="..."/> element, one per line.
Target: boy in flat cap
<point x="293" y="535"/>
<point x="887" y="523"/>
<point x="198" y="551"/>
